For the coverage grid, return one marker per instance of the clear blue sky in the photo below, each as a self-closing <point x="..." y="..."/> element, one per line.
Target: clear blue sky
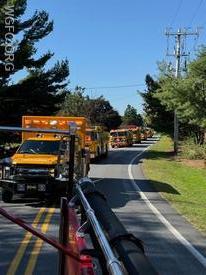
<point x="115" y="42"/>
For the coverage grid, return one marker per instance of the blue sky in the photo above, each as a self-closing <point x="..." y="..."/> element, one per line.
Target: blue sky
<point x="115" y="42"/>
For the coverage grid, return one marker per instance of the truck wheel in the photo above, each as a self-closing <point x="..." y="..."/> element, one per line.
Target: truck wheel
<point x="106" y="152"/>
<point x="6" y="196"/>
<point x="98" y="154"/>
<point x="87" y="168"/>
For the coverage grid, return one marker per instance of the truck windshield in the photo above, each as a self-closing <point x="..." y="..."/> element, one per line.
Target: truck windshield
<point x="91" y="135"/>
<point x="46" y="147"/>
<point x="118" y="134"/>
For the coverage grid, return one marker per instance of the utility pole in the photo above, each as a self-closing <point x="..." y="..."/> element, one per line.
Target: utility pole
<point x="180" y="37"/>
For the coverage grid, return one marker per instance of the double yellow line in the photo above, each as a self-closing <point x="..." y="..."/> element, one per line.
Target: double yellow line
<point x="37" y="246"/>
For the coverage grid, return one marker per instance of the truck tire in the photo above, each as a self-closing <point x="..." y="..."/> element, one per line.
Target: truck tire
<point x="105" y="155"/>
<point x="98" y="154"/>
<point x="6" y="196"/>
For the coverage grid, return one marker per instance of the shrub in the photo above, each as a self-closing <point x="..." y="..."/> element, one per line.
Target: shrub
<point x="190" y="150"/>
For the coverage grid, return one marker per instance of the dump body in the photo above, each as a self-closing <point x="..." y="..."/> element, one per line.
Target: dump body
<point x="121" y="138"/>
<point x="97" y="141"/>
<point x="41" y="163"/>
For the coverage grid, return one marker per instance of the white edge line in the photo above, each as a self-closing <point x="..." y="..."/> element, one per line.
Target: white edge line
<point x="167" y="224"/>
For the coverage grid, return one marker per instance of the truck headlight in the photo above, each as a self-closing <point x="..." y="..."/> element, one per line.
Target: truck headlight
<point x="7" y="172"/>
<point x="52" y="172"/>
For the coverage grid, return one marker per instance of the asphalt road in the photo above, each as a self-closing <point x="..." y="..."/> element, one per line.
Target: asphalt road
<point x="171" y="243"/>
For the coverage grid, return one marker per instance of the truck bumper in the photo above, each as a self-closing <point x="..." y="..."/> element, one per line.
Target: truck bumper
<point x="119" y="144"/>
<point x="34" y="189"/>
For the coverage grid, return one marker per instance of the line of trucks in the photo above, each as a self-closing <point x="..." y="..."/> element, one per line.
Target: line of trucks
<point x="54" y="157"/>
<point x="130" y="135"/>
<point x="40" y="166"/>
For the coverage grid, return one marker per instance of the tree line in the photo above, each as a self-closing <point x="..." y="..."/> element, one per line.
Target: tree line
<point x="186" y="95"/>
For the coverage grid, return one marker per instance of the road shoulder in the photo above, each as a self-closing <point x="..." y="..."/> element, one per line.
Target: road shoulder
<point x="186" y="229"/>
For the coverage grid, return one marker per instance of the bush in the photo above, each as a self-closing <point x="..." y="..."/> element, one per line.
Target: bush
<point x="190" y="150"/>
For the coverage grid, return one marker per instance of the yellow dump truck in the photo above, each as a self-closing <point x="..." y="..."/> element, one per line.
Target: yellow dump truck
<point x="136" y="132"/>
<point x="40" y="165"/>
<point x="150" y="132"/>
<point x="97" y="140"/>
<point x="121" y="138"/>
<point x="143" y="133"/>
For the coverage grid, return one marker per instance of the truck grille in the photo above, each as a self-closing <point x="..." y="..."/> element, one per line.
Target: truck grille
<point x="31" y="171"/>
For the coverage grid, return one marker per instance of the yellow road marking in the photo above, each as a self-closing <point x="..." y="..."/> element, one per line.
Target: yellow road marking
<point x="21" y="250"/>
<point x="38" y="244"/>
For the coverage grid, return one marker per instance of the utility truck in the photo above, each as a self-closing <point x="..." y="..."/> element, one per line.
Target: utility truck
<point x="121" y="138"/>
<point x="143" y="133"/>
<point x="136" y="132"/>
<point x="97" y="140"/>
<point x="40" y="166"/>
<point x="150" y="132"/>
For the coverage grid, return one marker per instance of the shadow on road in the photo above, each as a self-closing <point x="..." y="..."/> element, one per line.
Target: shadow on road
<point x="33" y="202"/>
<point x="119" y="192"/>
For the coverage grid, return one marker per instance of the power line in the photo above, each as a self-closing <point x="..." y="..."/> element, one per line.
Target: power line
<point x="115" y="87"/>
<point x="176" y="13"/>
<point x="195" y="12"/>
<point x="112" y="87"/>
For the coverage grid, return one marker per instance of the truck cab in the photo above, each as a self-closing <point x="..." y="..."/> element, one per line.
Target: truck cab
<point x="143" y="133"/>
<point x="136" y="132"/>
<point x="40" y="165"/>
<point x="150" y="132"/>
<point x="121" y="138"/>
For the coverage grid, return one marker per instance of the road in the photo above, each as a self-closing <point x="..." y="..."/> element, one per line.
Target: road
<point x="171" y="243"/>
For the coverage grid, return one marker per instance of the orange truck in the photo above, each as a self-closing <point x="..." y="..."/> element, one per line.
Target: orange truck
<point x="97" y="140"/>
<point x="143" y="133"/>
<point x="136" y="132"/>
<point x="150" y="132"/>
<point x="40" y="165"/>
<point x="121" y="138"/>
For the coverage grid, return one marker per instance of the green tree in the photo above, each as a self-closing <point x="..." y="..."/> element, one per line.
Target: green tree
<point x="156" y="115"/>
<point x="131" y="117"/>
<point x="98" y="111"/>
<point x="42" y="90"/>
<point x="75" y="103"/>
<point x="188" y="95"/>
<point x="102" y="113"/>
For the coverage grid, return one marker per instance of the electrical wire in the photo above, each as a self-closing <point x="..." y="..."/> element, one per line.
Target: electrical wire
<point x="195" y="12"/>
<point x="176" y="13"/>
<point x="113" y="87"/>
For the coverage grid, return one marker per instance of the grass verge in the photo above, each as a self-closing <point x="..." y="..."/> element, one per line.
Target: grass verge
<point x="184" y="187"/>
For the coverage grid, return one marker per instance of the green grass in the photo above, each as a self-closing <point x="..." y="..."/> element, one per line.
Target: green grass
<point x="184" y="187"/>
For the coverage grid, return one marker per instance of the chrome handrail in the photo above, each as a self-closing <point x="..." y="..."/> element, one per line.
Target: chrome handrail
<point x="113" y="265"/>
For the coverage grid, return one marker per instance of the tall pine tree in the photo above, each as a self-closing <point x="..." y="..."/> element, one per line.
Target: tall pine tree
<point x="41" y="91"/>
<point x="156" y="115"/>
<point x="131" y="117"/>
